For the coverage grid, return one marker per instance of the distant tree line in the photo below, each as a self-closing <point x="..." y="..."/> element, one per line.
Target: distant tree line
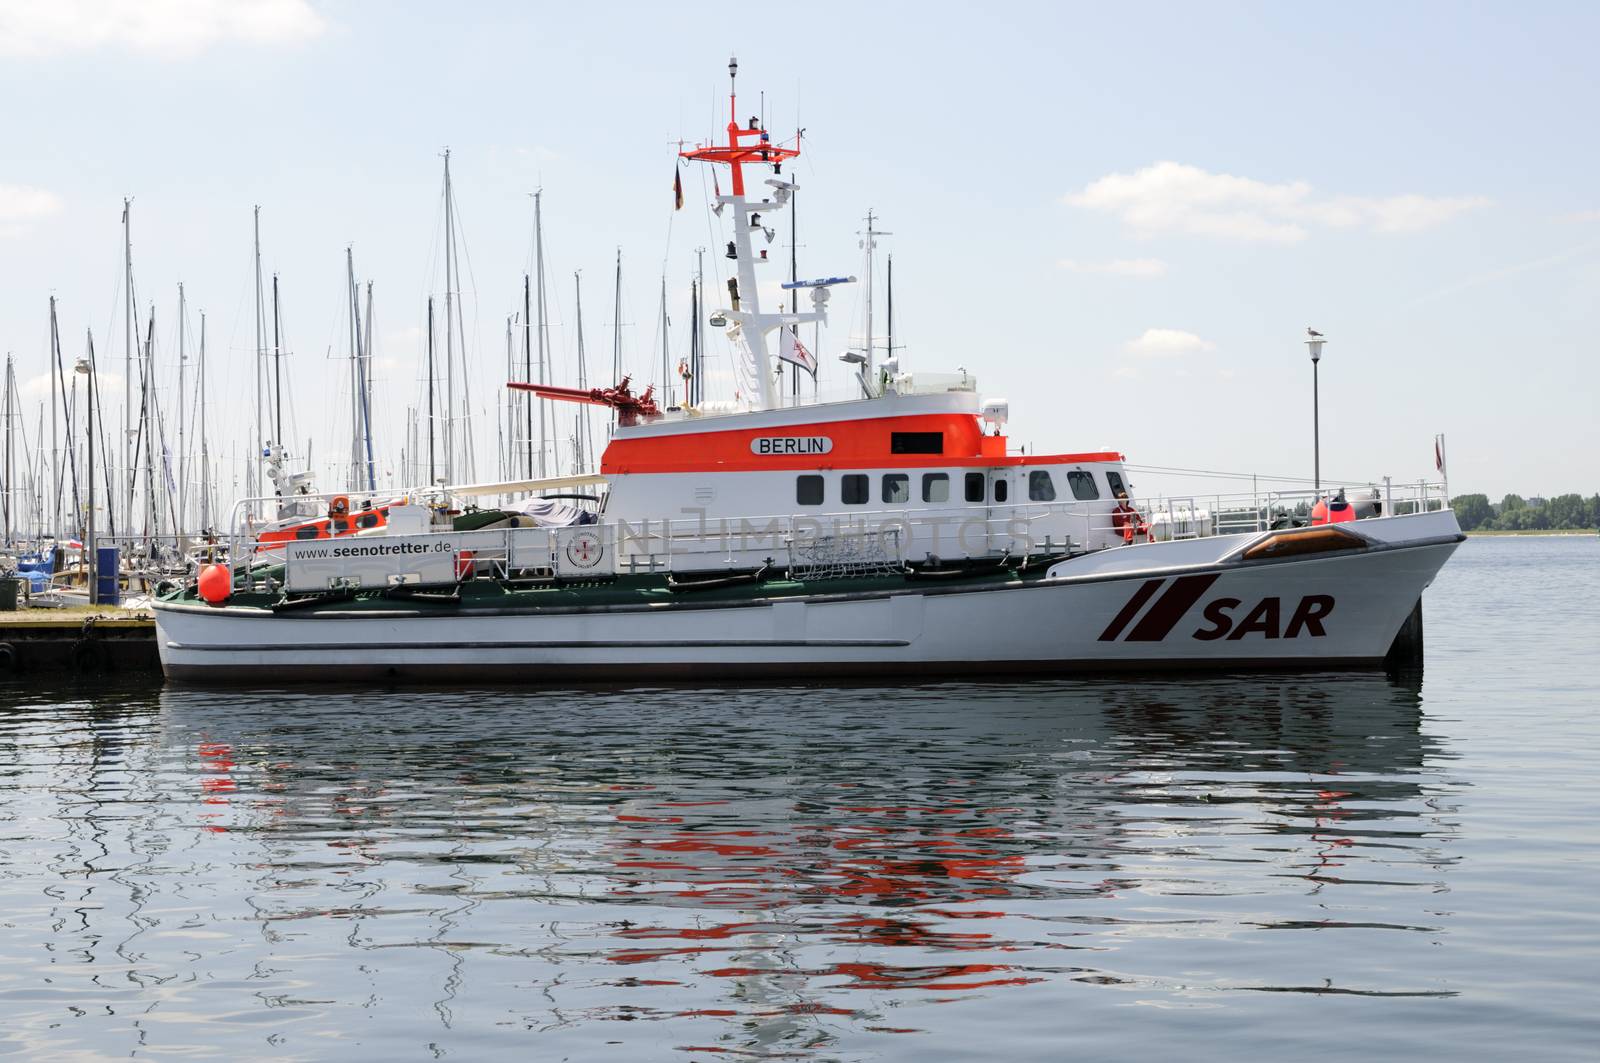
<point x="1515" y="513"/>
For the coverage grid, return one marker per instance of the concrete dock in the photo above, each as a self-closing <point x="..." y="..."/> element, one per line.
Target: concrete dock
<point x="87" y="640"/>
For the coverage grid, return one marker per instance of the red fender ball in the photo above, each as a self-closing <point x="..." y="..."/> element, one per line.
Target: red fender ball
<point x="216" y="583"/>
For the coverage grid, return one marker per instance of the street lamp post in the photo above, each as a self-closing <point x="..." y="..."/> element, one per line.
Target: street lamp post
<point x="1315" y="343"/>
<point x="88" y="534"/>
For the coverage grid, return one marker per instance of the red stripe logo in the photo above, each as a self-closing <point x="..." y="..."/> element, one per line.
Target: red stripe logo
<point x="1164" y="615"/>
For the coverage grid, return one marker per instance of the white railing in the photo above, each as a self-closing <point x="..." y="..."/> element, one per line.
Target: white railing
<point x="903" y="534"/>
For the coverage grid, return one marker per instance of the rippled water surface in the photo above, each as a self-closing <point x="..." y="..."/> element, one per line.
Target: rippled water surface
<point x="1239" y="867"/>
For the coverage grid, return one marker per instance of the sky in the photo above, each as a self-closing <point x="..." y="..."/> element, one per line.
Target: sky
<point x="1122" y="218"/>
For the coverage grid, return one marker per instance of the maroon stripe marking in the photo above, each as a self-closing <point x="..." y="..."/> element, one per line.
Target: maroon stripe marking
<point x="1170" y="607"/>
<point x="1130" y="610"/>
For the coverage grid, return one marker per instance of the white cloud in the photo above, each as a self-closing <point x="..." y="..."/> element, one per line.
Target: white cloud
<point x="1171" y="197"/>
<point x="43" y="28"/>
<point x="1167" y="343"/>
<point x="1119" y="267"/>
<point x="21" y="206"/>
<point x="1584" y="215"/>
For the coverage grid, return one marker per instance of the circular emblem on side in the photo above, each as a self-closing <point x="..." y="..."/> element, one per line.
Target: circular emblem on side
<point x="584" y="550"/>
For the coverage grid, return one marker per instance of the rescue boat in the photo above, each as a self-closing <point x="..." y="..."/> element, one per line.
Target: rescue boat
<point x="896" y="532"/>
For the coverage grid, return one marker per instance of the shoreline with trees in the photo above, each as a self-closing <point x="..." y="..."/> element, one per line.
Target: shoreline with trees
<point x="1515" y="515"/>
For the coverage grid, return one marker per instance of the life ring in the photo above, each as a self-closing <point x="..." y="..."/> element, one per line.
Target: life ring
<point x="339" y="506"/>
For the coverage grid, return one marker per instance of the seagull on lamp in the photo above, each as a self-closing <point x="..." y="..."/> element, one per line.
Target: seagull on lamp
<point x="1313" y="333"/>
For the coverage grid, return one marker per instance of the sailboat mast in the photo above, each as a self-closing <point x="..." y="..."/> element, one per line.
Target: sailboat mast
<point x="181" y="521"/>
<point x="354" y="479"/>
<point x="616" y="323"/>
<point x="366" y="395"/>
<point x="698" y="355"/>
<point x="449" y="324"/>
<point x="506" y="407"/>
<point x="583" y="439"/>
<point x="205" y="452"/>
<point x="55" y="437"/>
<point x="666" y="354"/>
<point x="261" y="353"/>
<point x="544" y="345"/>
<point x="432" y="472"/>
<point x="69" y="419"/>
<point x="127" y="367"/>
<point x="10" y="488"/>
<point x="147" y="429"/>
<point x="277" y="363"/>
<point x="868" y="367"/>
<point x="690" y="385"/>
<point x="527" y="366"/>
<point x="889" y="309"/>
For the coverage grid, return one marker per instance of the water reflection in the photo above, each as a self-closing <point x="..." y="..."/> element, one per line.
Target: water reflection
<point x="749" y="872"/>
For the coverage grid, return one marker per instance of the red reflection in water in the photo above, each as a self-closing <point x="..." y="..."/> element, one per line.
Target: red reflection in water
<point x="216" y="759"/>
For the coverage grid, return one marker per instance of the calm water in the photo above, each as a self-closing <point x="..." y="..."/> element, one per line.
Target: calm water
<point x="1233" y="867"/>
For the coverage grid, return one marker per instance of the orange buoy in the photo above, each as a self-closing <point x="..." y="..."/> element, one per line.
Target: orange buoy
<point x="216" y="583"/>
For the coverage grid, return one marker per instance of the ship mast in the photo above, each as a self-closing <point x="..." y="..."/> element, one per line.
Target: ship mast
<point x="749" y="327"/>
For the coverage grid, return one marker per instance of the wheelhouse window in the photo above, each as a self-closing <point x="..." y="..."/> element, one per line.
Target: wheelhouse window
<point x="1002" y="490"/>
<point x="974" y="487"/>
<point x="808" y="490"/>
<point x="916" y="442"/>
<point x="1118" y="488"/>
<point x="896" y="487"/>
<point x="935" y="487"/>
<point x="1083" y="485"/>
<point x="855" y="489"/>
<point x="1041" y="488"/>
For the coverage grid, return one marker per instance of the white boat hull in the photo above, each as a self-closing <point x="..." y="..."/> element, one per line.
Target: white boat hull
<point x="1161" y="605"/>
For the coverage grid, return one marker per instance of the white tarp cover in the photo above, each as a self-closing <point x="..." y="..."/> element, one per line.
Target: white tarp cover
<point x="554" y="513"/>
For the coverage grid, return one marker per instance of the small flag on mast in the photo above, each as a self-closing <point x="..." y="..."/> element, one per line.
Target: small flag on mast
<point x="677" y="188"/>
<point x="1438" y="454"/>
<point x="791" y="350"/>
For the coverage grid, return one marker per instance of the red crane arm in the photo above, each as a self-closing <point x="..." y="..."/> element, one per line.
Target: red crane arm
<point x="630" y="408"/>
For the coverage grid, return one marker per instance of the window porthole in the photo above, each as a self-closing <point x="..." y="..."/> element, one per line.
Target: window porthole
<point x="808" y="490"/>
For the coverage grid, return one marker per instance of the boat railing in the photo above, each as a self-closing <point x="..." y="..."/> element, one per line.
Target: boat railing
<point x="841" y="541"/>
<point x="1195" y="516"/>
